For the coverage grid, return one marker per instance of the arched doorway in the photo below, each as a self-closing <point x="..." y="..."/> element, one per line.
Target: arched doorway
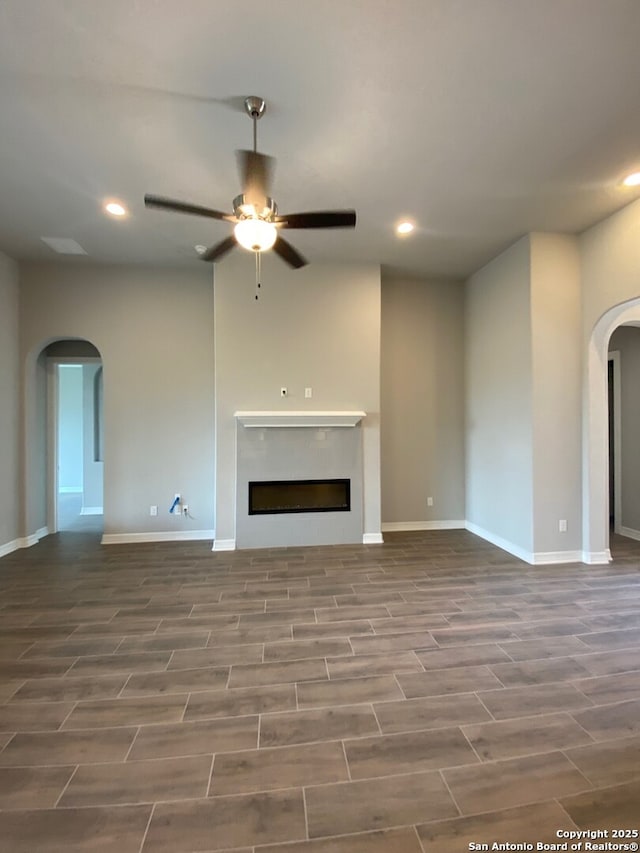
<point x="63" y="438"/>
<point x="596" y="445"/>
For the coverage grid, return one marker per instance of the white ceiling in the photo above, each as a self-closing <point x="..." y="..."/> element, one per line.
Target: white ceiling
<point x="480" y="119"/>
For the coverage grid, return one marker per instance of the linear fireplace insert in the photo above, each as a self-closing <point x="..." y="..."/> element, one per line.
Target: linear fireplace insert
<point x="271" y="497"/>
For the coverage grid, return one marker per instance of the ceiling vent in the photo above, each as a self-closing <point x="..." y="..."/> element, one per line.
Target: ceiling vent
<point x="64" y="245"/>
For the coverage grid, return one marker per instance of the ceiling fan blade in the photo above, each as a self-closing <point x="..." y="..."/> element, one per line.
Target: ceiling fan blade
<point x="288" y="253"/>
<point x="256" y="171"/>
<point x="171" y="204"/>
<point x="318" y="219"/>
<point x="215" y="253"/>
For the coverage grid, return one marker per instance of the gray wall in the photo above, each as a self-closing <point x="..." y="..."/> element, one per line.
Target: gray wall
<point x="557" y="399"/>
<point x="10" y="492"/>
<point x="70" y="428"/>
<point x="422" y="400"/>
<point x="154" y="331"/>
<point x="626" y="339"/>
<point x="498" y="383"/>
<point x="317" y="327"/>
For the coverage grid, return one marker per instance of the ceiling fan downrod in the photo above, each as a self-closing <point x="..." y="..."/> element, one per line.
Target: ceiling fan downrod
<point x="255" y="108"/>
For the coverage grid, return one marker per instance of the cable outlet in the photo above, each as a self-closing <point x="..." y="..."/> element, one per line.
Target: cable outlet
<point x="185" y="509"/>
<point x="283" y="392"/>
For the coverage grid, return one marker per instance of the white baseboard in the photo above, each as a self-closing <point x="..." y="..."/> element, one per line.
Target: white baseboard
<point x="372" y="539"/>
<point x="630" y="533"/>
<point x="10" y="547"/>
<point x="70" y="490"/>
<point x="23" y="542"/>
<point x="224" y="545"/>
<point x="91" y="510"/>
<point x="596" y="558"/>
<point x="163" y="536"/>
<point x="548" y="558"/>
<point x="542" y="558"/>
<point x="405" y="526"/>
<point x="510" y="547"/>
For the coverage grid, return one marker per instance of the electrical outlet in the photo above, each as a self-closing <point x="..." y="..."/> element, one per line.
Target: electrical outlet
<point x="153" y="510"/>
<point x="308" y="392"/>
<point x="562" y="525"/>
<point x="429" y="501"/>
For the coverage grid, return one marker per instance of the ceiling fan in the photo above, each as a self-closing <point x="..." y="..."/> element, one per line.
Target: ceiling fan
<point x="257" y="222"/>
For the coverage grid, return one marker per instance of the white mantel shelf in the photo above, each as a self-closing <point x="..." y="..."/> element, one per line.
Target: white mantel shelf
<point x="265" y="420"/>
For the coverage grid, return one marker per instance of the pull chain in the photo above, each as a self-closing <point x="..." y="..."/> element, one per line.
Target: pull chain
<point x="258" y="272"/>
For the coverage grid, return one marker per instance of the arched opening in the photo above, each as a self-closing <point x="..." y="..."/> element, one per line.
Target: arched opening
<point x="596" y="500"/>
<point x="63" y="438"/>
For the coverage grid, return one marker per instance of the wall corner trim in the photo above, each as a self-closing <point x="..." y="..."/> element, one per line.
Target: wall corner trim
<point x="372" y="539"/>
<point x="596" y="558"/>
<point x="224" y="545"/>
<point x="163" y="536"/>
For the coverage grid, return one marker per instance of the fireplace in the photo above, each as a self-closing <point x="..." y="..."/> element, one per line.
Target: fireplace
<point x="273" y="497"/>
<point x="299" y="479"/>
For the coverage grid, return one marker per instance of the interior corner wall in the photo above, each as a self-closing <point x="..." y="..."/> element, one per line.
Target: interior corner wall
<point x="626" y="340"/>
<point x="10" y="500"/>
<point x="317" y="327"/>
<point x="92" y="423"/>
<point x="498" y="395"/>
<point x="557" y="395"/>
<point x="422" y="401"/>
<point x="154" y="331"/>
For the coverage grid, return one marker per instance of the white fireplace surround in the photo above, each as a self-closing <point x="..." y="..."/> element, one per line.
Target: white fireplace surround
<point x="264" y="420"/>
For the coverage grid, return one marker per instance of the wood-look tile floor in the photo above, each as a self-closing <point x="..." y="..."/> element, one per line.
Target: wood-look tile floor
<point x="403" y="698"/>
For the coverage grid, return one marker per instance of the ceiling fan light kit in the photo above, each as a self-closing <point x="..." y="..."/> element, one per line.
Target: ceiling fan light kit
<point x="255" y="234"/>
<point x="257" y="222"/>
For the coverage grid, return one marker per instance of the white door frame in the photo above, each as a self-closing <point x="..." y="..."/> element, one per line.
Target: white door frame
<point x="53" y="363"/>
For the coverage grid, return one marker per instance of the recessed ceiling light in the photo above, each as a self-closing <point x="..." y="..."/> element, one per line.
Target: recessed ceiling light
<point x="405" y="228"/>
<point x="115" y="208"/>
<point x="632" y="180"/>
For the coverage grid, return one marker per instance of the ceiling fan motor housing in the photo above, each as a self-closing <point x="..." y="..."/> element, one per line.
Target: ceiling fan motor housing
<point x="244" y="209"/>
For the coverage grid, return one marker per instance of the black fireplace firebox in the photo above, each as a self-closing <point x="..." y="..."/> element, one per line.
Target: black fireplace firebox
<point x="273" y="497"/>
